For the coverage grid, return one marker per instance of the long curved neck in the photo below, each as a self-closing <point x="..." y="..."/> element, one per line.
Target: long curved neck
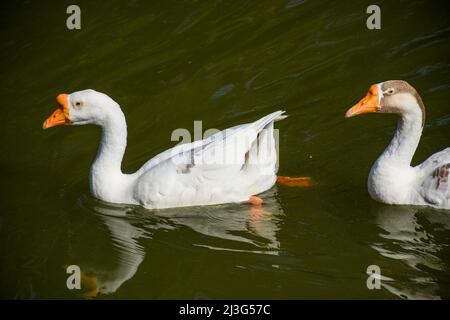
<point x="113" y="143"/>
<point x="406" y="139"/>
<point x="106" y="173"/>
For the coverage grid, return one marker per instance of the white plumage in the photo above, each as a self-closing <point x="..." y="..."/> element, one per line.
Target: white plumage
<point x="392" y="179"/>
<point x="229" y="166"/>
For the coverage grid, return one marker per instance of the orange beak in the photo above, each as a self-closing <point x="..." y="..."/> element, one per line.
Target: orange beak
<point x="366" y="105"/>
<point x="59" y="116"/>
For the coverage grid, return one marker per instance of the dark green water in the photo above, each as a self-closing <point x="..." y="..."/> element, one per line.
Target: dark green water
<point x="169" y="63"/>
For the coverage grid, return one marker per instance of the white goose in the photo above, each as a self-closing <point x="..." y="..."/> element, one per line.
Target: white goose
<point x="230" y="166"/>
<point x="392" y="179"/>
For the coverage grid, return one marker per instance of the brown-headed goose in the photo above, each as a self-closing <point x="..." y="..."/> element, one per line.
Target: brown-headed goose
<point x="392" y="179"/>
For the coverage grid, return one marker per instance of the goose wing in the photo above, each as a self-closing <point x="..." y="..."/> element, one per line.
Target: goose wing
<point x="241" y="136"/>
<point x="435" y="187"/>
<point x="226" y="167"/>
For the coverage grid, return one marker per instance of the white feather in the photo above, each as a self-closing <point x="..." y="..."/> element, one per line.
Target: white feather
<point x="229" y="166"/>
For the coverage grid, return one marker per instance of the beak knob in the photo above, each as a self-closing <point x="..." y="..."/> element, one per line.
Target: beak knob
<point x="61" y="115"/>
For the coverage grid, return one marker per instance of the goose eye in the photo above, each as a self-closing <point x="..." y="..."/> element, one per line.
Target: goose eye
<point x="389" y="91"/>
<point x="79" y="104"/>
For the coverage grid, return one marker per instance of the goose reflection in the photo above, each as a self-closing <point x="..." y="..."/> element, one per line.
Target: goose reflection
<point x="106" y="278"/>
<point x="252" y="225"/>
<point x="238" y="228"/>
<point x="410" y="236"/>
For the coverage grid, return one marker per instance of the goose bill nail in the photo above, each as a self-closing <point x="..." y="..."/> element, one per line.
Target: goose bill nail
<point x="56" y="119"/>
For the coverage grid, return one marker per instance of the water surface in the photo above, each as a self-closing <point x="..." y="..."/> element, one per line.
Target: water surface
<point x="225" y="63"/>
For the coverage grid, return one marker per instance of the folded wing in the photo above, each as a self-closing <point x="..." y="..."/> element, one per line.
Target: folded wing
<point x="435" y="187"/>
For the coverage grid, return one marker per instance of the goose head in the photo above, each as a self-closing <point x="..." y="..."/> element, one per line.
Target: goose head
<point x="393" y="96"/>
<point x="82" y="107"/>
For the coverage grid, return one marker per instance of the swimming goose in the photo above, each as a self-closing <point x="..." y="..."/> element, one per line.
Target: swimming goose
<point x="392" y="179"/>
<point x="230" y="166"/>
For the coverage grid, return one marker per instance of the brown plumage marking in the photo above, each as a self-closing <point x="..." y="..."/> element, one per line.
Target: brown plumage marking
<point x="441" y="174"/>
<point x="403" y="86"/>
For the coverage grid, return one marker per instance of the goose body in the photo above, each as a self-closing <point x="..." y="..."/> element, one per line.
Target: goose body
<point x="392" y="179"/>
<point x="229" y="166"/>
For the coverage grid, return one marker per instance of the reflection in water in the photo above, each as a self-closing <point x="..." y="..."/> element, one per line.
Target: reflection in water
<point x="238" y="227"/>
<point x="244" y="224"/>
<point x="409" y="237"/>
<point x="124" y="237"/>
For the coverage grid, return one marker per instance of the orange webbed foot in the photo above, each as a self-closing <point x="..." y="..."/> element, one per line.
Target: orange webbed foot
<point x="295" y="181"/>
<point x="255" y="201"/>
